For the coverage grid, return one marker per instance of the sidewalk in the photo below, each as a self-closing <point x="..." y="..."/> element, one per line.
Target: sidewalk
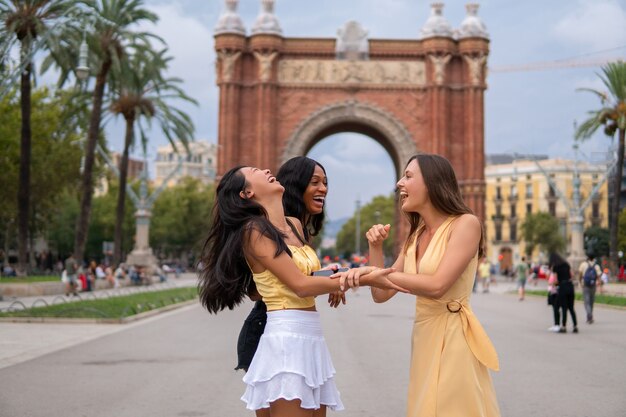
<point x="21" y="342"/>
<point x="188" y="279"/>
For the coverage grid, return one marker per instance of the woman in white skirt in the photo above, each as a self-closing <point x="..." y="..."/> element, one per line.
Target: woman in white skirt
<point x="252" y="244"/>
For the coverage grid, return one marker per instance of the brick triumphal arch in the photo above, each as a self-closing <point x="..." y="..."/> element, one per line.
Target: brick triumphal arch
<point x="279" y="96"/>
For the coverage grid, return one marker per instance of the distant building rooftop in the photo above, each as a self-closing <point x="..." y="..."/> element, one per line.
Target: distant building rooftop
<point x="507" y="158"/>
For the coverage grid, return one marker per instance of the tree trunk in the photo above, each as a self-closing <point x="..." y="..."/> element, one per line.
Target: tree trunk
<point x="82" y="225"/>
<point x="121" y="195"/>
<point x="23" y="194"/>
<point x="617" y="190"/>
<point x="7" y="237"/>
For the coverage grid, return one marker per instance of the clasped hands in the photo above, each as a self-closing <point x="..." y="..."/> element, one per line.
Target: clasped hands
<point x="371" y="275"/>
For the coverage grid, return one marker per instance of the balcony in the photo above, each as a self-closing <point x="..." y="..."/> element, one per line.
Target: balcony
<point x="551" y="196"/>
<point x="499" y="218"/>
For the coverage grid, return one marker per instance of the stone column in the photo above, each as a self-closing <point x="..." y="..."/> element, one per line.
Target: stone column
<point x="266" y="50"/>
<point x="229" y="82"/>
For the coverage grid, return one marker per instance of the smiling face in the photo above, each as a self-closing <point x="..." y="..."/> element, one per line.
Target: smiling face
<point x="315" y="194"/>
<point x="259" y="183"/>
<point x="412" y="188"/>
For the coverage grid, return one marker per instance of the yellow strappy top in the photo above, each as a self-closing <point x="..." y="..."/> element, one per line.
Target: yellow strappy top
<point x="275" y="294"/>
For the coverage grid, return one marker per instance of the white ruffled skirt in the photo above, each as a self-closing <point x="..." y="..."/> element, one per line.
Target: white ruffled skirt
<point x="292" y="362"/>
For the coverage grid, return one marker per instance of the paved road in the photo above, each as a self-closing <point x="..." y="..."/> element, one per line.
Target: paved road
<point x="180" y="364"/>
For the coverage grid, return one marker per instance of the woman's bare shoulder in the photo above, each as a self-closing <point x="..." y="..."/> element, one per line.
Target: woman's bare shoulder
<point x="295" y="221"/>
<point x="467" y="222"/>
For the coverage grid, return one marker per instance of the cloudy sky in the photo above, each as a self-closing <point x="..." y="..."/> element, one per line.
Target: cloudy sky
<point x="526" y="111"/>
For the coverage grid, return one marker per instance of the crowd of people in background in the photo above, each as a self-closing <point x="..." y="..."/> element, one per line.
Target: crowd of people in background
<point x="84" y="277"/>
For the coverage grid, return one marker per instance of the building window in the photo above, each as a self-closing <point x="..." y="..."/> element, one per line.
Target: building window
<point x="498" y="230"/>
<point x="551" y="192"/>
<point x="552" y="208"/>
<point x="529" y="191"/>
<point x="498" y="193"/>
<point x="595" y="210"/>
<point x="529" y="208"/>
<point x="513" y="211"/>
<point x="513" y="233"/>
<point x="498" y="210"/>
<point x="528" y="177"/>
<point x="513" y="190"/>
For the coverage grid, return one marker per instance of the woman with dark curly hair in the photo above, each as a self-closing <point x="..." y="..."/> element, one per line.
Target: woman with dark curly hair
<point x="252" y="243"/>
<point x="306" y="186"/>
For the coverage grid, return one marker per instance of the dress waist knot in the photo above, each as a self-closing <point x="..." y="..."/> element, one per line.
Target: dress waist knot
<point x="475" y="335"/>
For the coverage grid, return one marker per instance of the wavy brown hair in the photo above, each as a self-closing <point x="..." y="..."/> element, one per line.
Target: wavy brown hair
<point x="444" y="193"/>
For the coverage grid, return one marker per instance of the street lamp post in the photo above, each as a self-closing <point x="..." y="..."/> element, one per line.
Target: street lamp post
<point x="575" y="208"/>
<point x="142" y="255"/>
<point x="357" y="249"/>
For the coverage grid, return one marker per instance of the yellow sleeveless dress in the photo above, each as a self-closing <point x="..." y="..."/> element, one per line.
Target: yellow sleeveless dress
<point x="450" y="349"/>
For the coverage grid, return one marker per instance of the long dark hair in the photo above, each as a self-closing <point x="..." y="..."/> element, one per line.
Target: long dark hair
<point x="225" y="278"/>
<point x="295" y="175"/>
<point x="555" y="260"/>
<point x="444" y="193"/>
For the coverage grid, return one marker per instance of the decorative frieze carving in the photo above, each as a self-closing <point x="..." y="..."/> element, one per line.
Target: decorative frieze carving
<point x="439" y="65"/>
<point x="228" y="60"/>
<point x="476" y="64"/>
<point x="301" y="71"/>
<point x="265" y="64"/>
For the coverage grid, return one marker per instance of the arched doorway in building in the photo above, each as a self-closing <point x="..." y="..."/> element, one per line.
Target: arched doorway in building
<point x="361" y="183"/>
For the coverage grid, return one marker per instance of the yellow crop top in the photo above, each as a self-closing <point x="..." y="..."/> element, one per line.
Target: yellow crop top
<point x="278" y="296"/>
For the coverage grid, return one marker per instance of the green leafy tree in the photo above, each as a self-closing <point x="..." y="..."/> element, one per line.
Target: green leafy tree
<point x="103" y="220"/>
<point x="111" y="37"/>
<point x="612" y="117"/>
<point x="141" y="95"/>
<point x="181" y="218"/>
<point x="542" y="230"/>
<point x="63" y="220"/>
<point x="25" y="21"/>
<point x="597" y="241"/>
<point x="55" y="156"/>
<point x="380" y="210"/>
<point x="60" y="233"/>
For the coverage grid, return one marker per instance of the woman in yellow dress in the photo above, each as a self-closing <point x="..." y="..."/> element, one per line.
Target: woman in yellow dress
<point x="451" y="353"/>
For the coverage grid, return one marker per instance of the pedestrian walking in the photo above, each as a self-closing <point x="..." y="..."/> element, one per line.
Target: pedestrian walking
<point x="554" y="301"/>
<point x="71" y="270"/>
<point x="604" y="279"/>
<point x="521" y="271"/>
<point x="484" y="270"/>
<point x="589" y="273"/>
<point x="451" y="353"/>
<point x="565" y="292"/>
<point x="252" y="243"/>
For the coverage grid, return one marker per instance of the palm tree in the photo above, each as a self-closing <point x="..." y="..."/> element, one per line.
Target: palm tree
<point x="27" y="20"/>
<point x="141" y="94"/>
<point x="110" y="39"/>
<point x="611" y="116"/>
